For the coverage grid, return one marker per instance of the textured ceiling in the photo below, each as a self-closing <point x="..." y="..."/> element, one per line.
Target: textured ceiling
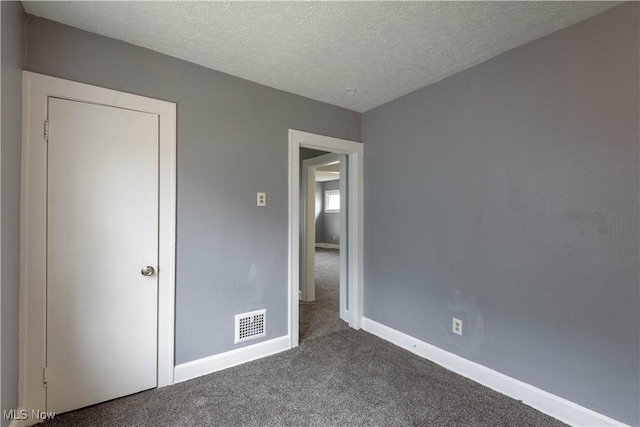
<point x="318" y="49"/>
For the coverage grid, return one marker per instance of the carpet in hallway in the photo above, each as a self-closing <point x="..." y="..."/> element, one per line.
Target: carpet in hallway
<point x="321" y="317"/>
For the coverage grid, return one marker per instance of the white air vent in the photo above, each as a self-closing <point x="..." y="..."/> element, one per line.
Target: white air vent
<point x="251" y="325"/>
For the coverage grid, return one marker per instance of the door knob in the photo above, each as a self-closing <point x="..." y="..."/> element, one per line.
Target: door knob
<point x="147" y="271"/>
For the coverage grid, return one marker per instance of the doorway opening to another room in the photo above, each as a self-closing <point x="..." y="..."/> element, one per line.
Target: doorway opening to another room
<point x="324" y="266"/>
<point x="325" y="275"/>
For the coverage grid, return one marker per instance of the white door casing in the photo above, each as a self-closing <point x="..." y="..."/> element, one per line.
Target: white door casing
<point x="354" y="224"/>
<point x="102" y="229"/>
<point x="308" y="230"/>
<point x="344" y="243"/>
<point x="37" y="90"/>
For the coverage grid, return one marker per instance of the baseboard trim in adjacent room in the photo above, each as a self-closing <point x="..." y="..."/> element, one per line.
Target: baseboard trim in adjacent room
<point x="327" y="246"/>
<point x="550" y="404"/>
<point x="218" y="362"/>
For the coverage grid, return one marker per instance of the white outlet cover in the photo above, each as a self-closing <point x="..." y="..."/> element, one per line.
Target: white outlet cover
<point x="262" y="199"/>
<point x="457" y="326"/>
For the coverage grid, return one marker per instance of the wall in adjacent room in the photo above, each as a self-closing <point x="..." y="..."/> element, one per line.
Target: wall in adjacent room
<point x="13" y="17"/>
<point x="507" y="196"/>
<point x="232" y="143"/>
<point x="319" y="206"/>
<point x="330" y="232"/>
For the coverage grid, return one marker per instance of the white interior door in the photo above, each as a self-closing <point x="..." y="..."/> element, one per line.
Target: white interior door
<point x="102" y="230"/>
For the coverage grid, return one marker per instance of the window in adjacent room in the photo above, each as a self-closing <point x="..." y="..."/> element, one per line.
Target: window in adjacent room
<point x="332" y="201"/>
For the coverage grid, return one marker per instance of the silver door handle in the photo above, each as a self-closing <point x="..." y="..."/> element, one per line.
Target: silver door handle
<point x="147" y="271"/>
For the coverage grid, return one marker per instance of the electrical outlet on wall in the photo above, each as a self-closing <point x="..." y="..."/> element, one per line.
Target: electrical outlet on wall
<point x="262" y="199"/>
<point x="457" y="326"/>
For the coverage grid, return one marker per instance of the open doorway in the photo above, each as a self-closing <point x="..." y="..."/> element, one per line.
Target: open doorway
<point x="331" y="156"/>
<point x="323" y="279"/>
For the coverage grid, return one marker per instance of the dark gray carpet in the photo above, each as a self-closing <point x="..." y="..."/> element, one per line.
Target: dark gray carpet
<point x="321" y="317"/>
<point x="343" y="379"/>
<point x="339" y="378"/>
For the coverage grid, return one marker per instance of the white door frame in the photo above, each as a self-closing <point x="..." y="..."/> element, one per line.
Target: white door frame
<point x="354" y="152"/>
<point x="36" y="88"/>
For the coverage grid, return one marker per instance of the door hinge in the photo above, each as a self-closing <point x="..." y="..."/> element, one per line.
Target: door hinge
<point x="44" y="376"/>
<point x="46" y="130"/>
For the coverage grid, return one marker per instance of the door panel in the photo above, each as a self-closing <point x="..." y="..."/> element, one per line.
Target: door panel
<point x="102" y="229"/>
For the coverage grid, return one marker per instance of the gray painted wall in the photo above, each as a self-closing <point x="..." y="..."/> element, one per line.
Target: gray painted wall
<point x="12" y="55"/>
<point x="330" y="232"/>
<point x="232" y="143"/>
<point x="507" y="195"/>
<point x="319" y="213"/>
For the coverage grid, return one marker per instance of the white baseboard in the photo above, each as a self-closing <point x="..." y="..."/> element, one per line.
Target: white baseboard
<point x="25" y="423"/>
<point x="550" y="404"/>
<point x="218" y="362"/>
<point x="327" y="246"/>
<point x="22" y="423"/>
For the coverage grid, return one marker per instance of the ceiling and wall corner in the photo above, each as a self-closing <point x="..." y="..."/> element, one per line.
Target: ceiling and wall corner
<point x="356" y="55"/>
